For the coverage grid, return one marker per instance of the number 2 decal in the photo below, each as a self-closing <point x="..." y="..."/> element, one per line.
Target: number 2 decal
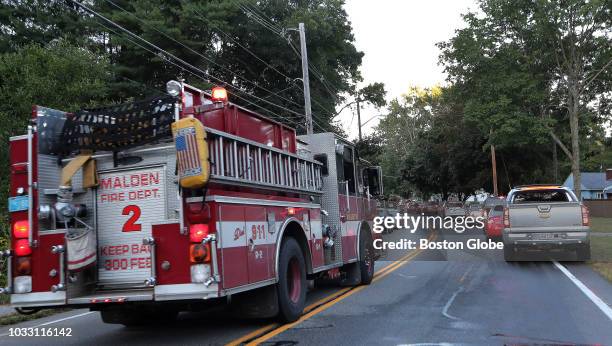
<point x="130" y="225"/>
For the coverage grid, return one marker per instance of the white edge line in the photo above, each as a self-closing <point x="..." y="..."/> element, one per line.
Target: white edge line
<point x="56" y="321"/>
<point x="605" y="308"/>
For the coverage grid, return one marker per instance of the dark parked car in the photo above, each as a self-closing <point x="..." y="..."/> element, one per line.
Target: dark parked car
<point x="491" y="202"/>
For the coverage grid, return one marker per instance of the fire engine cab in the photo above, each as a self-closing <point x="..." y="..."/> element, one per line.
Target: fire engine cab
<point x="145" y="209"/>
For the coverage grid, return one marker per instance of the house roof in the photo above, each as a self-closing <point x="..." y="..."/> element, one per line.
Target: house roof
<point x="594" y="181"/>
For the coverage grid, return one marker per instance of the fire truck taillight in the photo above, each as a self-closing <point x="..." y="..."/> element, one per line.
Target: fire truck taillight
<point x="198" y="232"/>
<point x="219" y="94"/>
<point x="21" y="229"/>
<point x="22" y="248"/>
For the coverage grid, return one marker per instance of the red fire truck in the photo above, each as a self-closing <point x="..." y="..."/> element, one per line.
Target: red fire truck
<point x="100" y="218"/>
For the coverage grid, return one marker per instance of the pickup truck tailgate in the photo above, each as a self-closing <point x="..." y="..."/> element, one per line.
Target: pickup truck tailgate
<point x="540" y="216"/>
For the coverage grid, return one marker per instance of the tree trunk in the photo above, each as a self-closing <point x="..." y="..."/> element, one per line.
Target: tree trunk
<point x="573" y="118"/>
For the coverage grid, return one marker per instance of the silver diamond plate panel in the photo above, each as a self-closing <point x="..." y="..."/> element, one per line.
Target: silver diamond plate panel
<point x="325" y="143"/>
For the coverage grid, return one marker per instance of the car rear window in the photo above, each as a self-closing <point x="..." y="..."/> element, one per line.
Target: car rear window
<point x="454" y="204"/>
<point x="541" y="196"/>
<point x="491" y="201"/>
<point x="498" y="210"/>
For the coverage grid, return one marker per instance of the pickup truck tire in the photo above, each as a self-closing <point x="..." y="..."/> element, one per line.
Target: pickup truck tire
<point x="291" y="284"/>
<point x="583" y="252"/>
<point x="509" y="253"/>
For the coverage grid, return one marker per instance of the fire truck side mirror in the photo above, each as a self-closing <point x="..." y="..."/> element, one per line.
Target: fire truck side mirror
<point x="373" y="178"/>
<point x="323" y="159"/>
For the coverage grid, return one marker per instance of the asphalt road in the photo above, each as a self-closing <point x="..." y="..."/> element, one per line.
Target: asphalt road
<point x="431" y="297"/>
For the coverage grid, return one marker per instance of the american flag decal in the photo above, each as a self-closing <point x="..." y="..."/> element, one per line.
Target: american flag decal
<point x="187" y="153"/>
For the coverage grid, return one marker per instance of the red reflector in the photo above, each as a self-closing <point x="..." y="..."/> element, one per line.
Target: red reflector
<point x="22" y="247"/>
<point x="198" y="232"/>
<point x="107" y="300"/>
<point x="21" y="229"/>
<point x="219" y="94"/>
<point x="24" y="266"/>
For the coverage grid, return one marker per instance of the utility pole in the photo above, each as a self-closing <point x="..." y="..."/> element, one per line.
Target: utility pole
<point x="494" y="165"/>
<point x="555" y="163"/>
<point x="306" y="80"/>
<point x="359" y="117"/>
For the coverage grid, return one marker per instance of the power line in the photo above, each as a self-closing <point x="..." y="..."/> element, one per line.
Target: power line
<point x="290" y="121"/>
<point x="168" y="54"/>
<point x="271" y="67"/>
<point x="201" y="55"/>
<point x="287" y="78"/>
<point x="280" y="32"/>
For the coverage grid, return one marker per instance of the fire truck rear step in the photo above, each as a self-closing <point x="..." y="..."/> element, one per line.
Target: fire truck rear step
<point x="118" y="296"/>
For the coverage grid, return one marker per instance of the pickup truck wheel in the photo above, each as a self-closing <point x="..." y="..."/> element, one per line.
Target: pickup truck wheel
<point x="583" y="252"/>
<point x="292" y="281"/>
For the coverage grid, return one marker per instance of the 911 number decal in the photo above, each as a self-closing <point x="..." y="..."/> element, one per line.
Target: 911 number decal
<point x="130" y="225"/>
<point x="258" y="232"/>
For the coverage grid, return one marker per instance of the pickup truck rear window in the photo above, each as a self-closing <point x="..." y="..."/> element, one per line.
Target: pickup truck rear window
<point x="541" y="196"/>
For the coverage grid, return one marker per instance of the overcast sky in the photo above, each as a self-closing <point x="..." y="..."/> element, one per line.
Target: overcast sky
<point x="398" y="38"/>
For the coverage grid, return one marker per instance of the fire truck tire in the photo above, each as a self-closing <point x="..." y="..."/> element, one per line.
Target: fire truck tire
<point x="292" y="281"/>
<point x="366" y="262"/>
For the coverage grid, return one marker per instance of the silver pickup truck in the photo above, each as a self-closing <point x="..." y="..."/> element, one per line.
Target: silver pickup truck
<point x="539" y="217"/>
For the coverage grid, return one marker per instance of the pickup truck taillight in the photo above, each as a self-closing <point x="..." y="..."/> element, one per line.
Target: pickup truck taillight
<point x="506" y="217"/>
<point x="585" y="216"/>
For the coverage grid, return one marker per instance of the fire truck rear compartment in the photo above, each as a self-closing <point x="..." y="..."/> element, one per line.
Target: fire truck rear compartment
<point x="128" y="202"/>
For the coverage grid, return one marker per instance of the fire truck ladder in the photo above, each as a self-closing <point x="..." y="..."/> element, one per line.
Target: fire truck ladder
<point x="242" y="161"/>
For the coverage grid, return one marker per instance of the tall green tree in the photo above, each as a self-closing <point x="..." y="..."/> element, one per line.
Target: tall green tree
<point x="58" y="75"/>
<point x="39" y="21"/>
<point x="250" y="46"/>
<point x="531" y="69"/>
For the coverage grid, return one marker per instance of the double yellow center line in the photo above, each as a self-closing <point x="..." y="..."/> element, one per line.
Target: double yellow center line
<point x="271" y="330"/>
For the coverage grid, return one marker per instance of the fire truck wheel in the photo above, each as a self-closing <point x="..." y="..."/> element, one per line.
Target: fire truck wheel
<point x="366" y="262"/>
<point x="292" y="281"/>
